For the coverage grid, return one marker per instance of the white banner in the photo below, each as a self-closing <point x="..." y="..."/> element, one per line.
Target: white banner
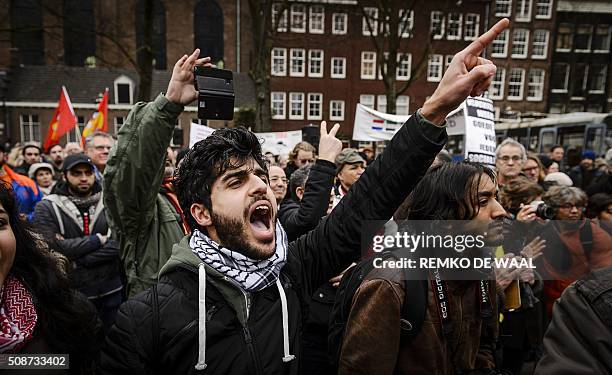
<point x="198" y="132"/>
<point x="371" y="125"/>
<point x="480" y="141"/>
<point x="279" y="143"/>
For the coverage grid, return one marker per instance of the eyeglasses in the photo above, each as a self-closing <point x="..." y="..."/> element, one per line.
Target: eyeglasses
<point x="102" y="148"/>
<point x="569" y="206"/>
<point x="532" y="169"/>
<point x="507" y="158"/>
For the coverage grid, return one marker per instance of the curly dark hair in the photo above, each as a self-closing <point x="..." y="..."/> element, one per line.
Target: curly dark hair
<point x="208" y="159"/>
<point x="67" y="322"/>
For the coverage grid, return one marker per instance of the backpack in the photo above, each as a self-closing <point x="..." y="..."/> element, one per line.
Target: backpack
<point x="413" y="308"/>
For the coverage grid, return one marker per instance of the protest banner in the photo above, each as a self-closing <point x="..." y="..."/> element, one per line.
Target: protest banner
<point x="198" y="132"/>
<point x="279" y="143"/>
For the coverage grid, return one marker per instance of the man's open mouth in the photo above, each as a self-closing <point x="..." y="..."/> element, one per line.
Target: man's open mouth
<point x="260" y="220"/>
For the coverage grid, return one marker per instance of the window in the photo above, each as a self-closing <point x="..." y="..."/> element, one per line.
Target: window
<point x="515" y="84"/>
<point x="296" y="62"/>
<point x="539" y="48"/>
<point x="523" y="11"/>
<point x="500" y="45"/>
<point x="454" y="26"/>
<point x="315" y="63"/>
<point x="119" y="120"/>
<point x="434" y="68"/>
<point x="437" y="24"/>
<point x="339" y="23"/>
<point x="367" y="100"/>
<point x="338" y="67"/>
<point x="26" y="20"/>
<point x="278" y="18"/>
<point x="447" y="61"/>
<point x="298" y="19"/>
<point x="158" y="38"/>
<point x="336" y="110"/>
<point x="472" y="25"/>
<point x="582" y="39"/>
<point x="30" y="128"/>
<point x="383" y="65"/>
<point x="404" y="66"/>
<point x="402" y="105"/>
<point x="502" y="8"/>
<point x="601" y="39"/>
<point x="208" y="29"/>
<point x="368" y="65"/>
<point x="278" y="105"/>
<point x="496" y="90"/>
<point x="598" y="79"/>
<point x="79" y="36"/>
<point x="535" y="88"/>
<point x="279" y="61"/>
<point x="123" y="90"/>
<point x="315" y="106"/>
<point x="317" y="20"/>
<point x="296" y="105"/>
<point x="520" y="41"/>
<point x="564" y="37"/>
<point x="381" y="103"/>
<point x="556" y="108"/>
<point x="72" y="135"/>
<point x="559" y="78"/>
<point x="406" y="23"/>
<point x="543" y="9"/>
<point x="579" y="80"/>
<point x="370" y="21"/>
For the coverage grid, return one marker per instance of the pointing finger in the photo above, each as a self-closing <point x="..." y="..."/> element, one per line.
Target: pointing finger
<point x="323" y="128"/>
<point x="334" y="130"/>
<point x="477" y="46"/>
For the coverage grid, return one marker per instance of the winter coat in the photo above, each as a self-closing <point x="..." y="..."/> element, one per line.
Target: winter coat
<point x="26" y="192"/>
<point x="143" y="221"/>
<point x="96" y="267"/>
<point x="157" y="331"/>
<point x="578" y="338"/>
<point x="299" y="218"/>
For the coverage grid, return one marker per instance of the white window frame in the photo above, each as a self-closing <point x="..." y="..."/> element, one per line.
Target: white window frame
<point x="294" y="59"/>
<point x="507" y="4"/>
<point x="367" y="100"/>
<point x="608" y="36"/>
<point x="472" y="23"/>
<point x="282" y="20"/>
<point x="566" y="83"/>
<point x="501" y="82"/>
<point x="407" y="32"/>
<point x="333" y="117"/>
<point x="71" y="136"/>
<point x="437" y="17"/>
<point x="319" y="103"/>
<point x="540" y="4"/>
<point x="342" y="31"/>
<point x="275" y="115"/>
<point x="335" y="75"/>
<point x="524" y="43"/>
<point x="587" y="50"/>
<point x="455" y="22"/>
<point x="312" y="13"/>
<point x="439" y="62"/>
<point x="585" y="80"/>
<point x="571" y="37"/>
<point x="383" y="65"/>
<point x="519" y="14"/>
<point x="403" y="65"/>
<point x="372" y="13"/>
<point x="539" y="85"/>
<point x="539" y="43"/>
<point x="398" y="100"/>
<point x="296" y="13"/>
<point x="321" y="63"/>
<point x="281" y="56"/>
<point x="291" y="101"/>
<point x="521" y="87"/>
<point x="605" y="70"/>
<point x="123" y="80"/>
<point x="381" y="103"/>
<point x="502" y="37"/>
<point x="447" y="61"/>
<point x="30" y="124"/>
<point x="372" y="61"/>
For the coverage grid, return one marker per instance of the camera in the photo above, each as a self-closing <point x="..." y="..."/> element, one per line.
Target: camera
<point x="215" y="89"/>
<point x="542" y="210"/>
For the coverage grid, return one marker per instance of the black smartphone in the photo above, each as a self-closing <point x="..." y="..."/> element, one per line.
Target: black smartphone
<point x="215" y="93"/>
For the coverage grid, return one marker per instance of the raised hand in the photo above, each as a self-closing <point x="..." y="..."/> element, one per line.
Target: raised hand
<point x="329" y="145"/>
<point x="468" y="74"/>
<point x="181" y="89"/>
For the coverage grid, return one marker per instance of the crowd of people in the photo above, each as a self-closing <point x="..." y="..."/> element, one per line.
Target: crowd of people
<point x="132" y="257"/>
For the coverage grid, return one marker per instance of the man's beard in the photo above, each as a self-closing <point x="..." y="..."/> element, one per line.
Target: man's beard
<point x="78" y="192"/>
<point x="232" y="235"/>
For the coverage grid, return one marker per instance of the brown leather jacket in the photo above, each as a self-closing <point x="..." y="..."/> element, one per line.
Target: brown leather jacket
<point x="372" y="339"/>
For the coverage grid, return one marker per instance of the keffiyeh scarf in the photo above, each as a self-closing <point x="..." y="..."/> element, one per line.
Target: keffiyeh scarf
<point x="251" y="275"/>
<point x="17" y="316"/>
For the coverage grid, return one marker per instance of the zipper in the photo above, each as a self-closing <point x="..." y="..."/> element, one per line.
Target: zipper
<point x="247" y="303"/>
<point x="248" y="339"/>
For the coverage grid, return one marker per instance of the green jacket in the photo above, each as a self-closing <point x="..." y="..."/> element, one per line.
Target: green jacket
<point x="141" y="219"/>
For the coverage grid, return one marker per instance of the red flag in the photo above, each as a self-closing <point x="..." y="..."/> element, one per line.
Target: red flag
<point x="62" y="122"/>
<point x="99" y="120"/>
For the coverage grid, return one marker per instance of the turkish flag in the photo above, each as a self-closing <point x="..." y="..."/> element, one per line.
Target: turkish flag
<point x="62" y="122"/>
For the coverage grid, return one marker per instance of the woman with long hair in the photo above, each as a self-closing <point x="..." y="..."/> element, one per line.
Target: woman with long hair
<point x="39" y="312"/>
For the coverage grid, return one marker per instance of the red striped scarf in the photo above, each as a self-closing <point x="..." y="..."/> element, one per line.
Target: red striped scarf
<point x="17" y="316"/>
